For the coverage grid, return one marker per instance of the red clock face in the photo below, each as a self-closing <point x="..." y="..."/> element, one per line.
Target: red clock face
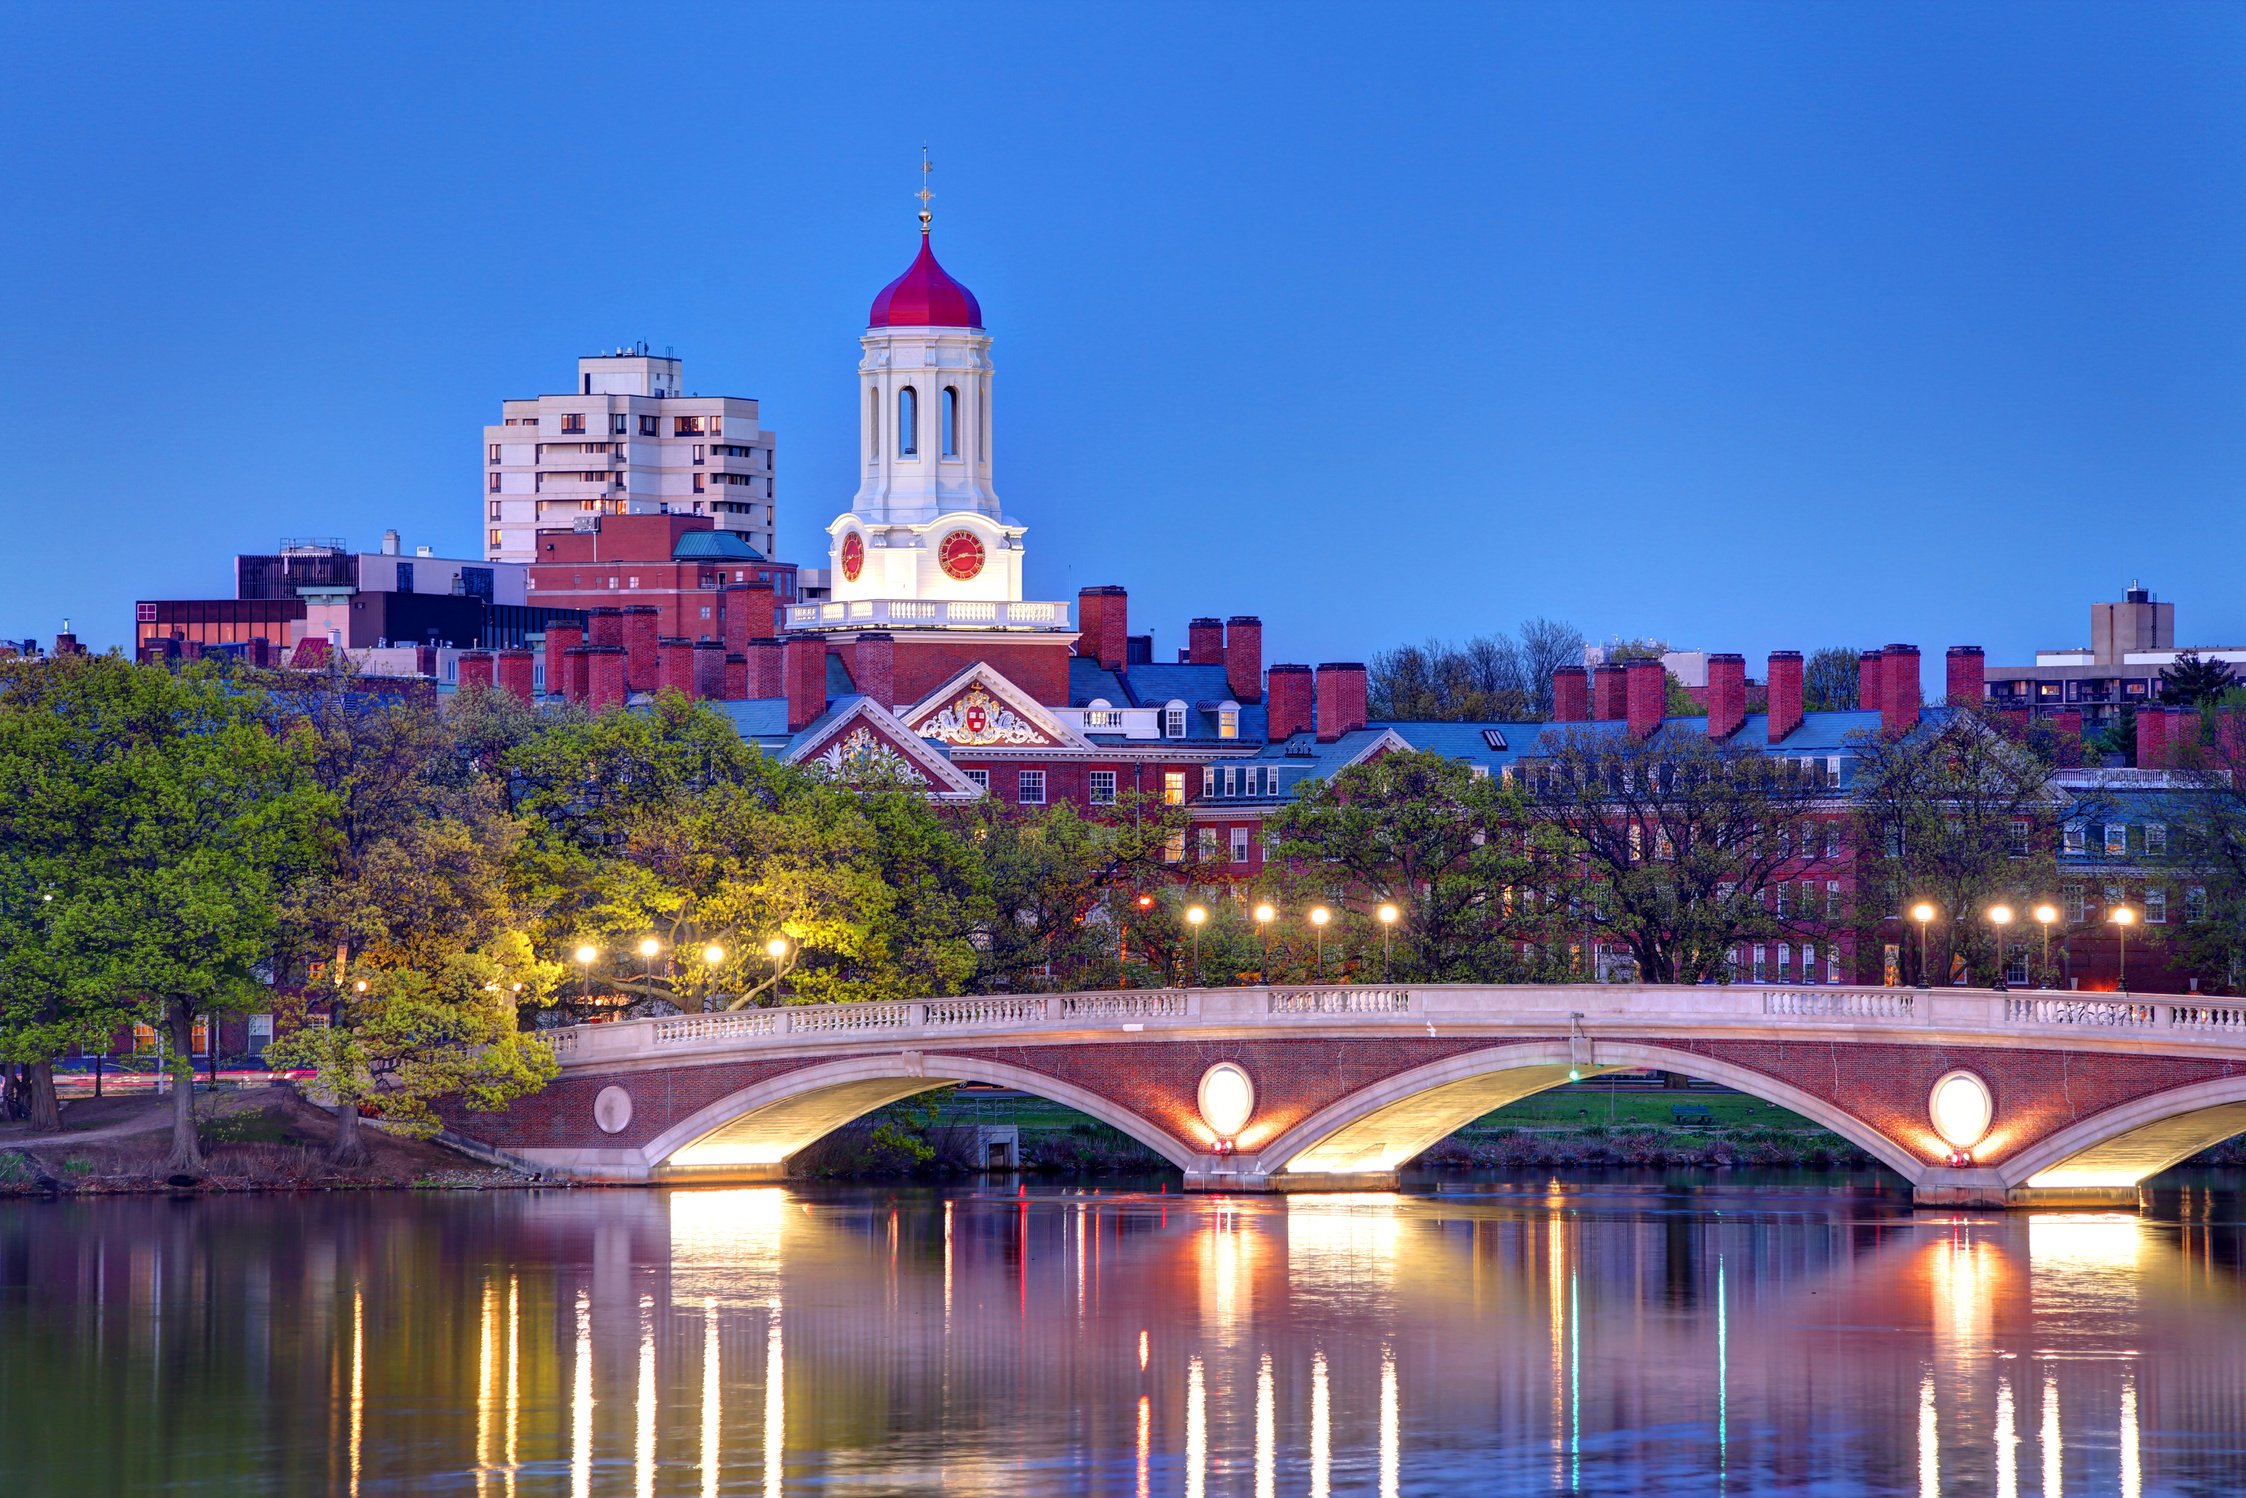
<point x="961" y="555"/>
<point x="853" y="556"/>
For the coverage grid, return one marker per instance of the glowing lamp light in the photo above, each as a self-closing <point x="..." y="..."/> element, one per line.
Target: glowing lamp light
<point x="1227" y="1099"/>
<point x="1387" y="914"/>
<point x="1196" y="915"/>
<point x="1265" y="915"/>
<point x="2123" y="916"/>
<point x="360" y="986"/>
<point x="776" y="948"/>
<point x="1320" y="915"/>
<point x="1922" y="912"/>
<point x="649" y="946"/>
<point x="713" y="954"/>
<point x="586" y="954"/>
<point x="1961" y="1109"/>
<point x="2046" y="914"/>
<point x="2000" y="915"/>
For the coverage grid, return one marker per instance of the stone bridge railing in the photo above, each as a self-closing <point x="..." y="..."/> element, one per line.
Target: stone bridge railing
<point x="2175" y="1022"/>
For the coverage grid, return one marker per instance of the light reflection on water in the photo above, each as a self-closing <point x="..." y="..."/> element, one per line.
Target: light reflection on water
<point x="1570" y="1338"/>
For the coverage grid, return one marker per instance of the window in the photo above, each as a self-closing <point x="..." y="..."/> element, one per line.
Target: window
<point x="647" y="426"/>
<point x="1103" y="787"/>
<point x="496" y="541"/>
<point x="495" y="452"/>
<point x="1173" y="847"/>
<point x="1832" y="899"/>
<point x="1228" y="722"/>
<point x="908" y="422"/>
<point x="1029" y="788"/>
<point x="573" y="421"/>
<point x="982" y="408"/>
<point x="2156" y="905"/>
<point x="2072" y="840"/>
<point x="1780" y="909"/>
<point x="617" y="423"/>
<point x="1205" y="846"/>
<point x="144" y="1039"/>
<point x="950" y="416"/>
<point x="698" y="451"/>
<point x="1232" y="780"/>
<point x="686" y="426"/>
<point x="1832" y="771"/>
<point x="2117" y="839"/>
<point x="1239" y="845"/>
<point x="982" y="778"/>
<point x="2017" y="835"/>
<point x="1809" y="962"/>
<point x="2156" y="839"/>
<point x="1758" y="964"/>
<point x="492" y="483"/>
<point x="1173" y="720"/>
<point x="261" y="1031"/>
<point x="1208" y="780"/>
<point x="1785" y="963"/>
<point x="1832" y="839"/>
<point x="873" y="426"/>
<point x="495" y="516"/>
<point x="2195" y="902"/>
<point x="1173" y="787"/>
<point x="698" y="489"/>
<point x="2077" y="903"/>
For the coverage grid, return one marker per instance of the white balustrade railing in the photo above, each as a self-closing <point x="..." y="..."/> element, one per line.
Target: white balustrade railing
<point x="845" y="1019"/>
<point x="2112" y="1014"/>
<point x="1008" y="1010"/>
<point x="1341" y="1000"/>
<point x="1850" y="1003"/>
<point x="691" y="1029"/>
<point x="1125" y="1004"/>
<point x="2230" y="1018"/>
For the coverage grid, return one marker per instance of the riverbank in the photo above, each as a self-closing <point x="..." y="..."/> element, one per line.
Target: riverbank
<point x="255" y="1139"/>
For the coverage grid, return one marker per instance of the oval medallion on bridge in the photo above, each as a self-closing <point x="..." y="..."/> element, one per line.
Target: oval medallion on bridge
<point x="1961" y="1109"/>
<point x="960" y="555"/>
<point x="612" y="1110"/>
<point x="1227" y="1099"/>
<point x="853" y="556"/>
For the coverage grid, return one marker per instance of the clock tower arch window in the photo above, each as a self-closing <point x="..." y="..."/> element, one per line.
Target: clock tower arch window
<point x="873" y="426"/>
<point x="950" y="420"/>
<point x="908" y="422"/>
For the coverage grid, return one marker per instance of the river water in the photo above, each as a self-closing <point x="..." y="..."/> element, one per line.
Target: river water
<point x="1632" y="1335"/>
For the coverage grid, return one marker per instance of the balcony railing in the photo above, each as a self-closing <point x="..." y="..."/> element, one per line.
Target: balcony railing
<point x="925" y="613"/>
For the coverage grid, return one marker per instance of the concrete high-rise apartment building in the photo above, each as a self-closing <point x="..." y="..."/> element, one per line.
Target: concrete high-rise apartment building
<point x="625" y="442"/>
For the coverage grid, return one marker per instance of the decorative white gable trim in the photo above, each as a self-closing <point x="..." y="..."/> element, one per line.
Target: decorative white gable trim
<point x="870" y="736"/>
<point x="1389" y="741"/>
<point x="979" y="708"/>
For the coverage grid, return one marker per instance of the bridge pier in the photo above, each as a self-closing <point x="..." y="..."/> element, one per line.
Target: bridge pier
<point x="1282" y="1182"/>
<point x="1985" y="1188"/>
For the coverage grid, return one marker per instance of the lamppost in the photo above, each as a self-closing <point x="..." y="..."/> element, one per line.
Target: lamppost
<point x="2000" y="916"/>
<point x="1922" y="913"/>
<point x="1319" y="915"/>
<point x="1264" y="917"/>
<point x="2044" y="916"/>
<point x="1194" y="916"/>
<point x="2123" y="918"/>
<point x="777" y="949"/>
<point x="648" y="947"/>
<point x="1387" y="914"/>
<point x="586" y="955"/>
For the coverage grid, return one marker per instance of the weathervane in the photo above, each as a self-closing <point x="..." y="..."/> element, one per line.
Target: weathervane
<point x="925" y="196"/>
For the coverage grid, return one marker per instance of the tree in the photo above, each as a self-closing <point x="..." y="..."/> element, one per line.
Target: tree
<point x="1061" y="886"/>
<point x="1829" y="680"/>
<point x="1486" y="678"/>
<point x="1452" y="850"/>
<point x="174" y="815"/>
<point x="1964" y="817"/>
<point x="2191" y="680"/>
<point x="1677" y="843"/>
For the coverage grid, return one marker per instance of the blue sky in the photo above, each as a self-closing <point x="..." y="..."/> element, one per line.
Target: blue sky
<point x="1748" y="327"/>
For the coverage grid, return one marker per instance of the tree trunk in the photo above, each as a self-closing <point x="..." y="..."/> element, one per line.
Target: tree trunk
<point x="186" y="1157"/>
<point x="39" y="1095"/>
<point x="349" y="1150"/>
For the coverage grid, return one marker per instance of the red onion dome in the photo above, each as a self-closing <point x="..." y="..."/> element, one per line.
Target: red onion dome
<point x="925" y="297"/>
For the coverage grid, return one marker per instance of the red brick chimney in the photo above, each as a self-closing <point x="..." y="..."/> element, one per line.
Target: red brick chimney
<point x="1103" y="625"/>
<point x="1243" y="657"/>
<point x="804" y="663"/>
<point x="751" y="613"/>
<point x="1204" y="642"/>
<point x="1967" y="680"/>
<point x="1785" y="693"/>
<point x="1610" y="693"/>
<point x="1571" y="695"/>
<point x="1727" y="695"/>
<point x="736" y="677"/>
<point x="1645" y="697"/>
<point x="642" y="627"/>
<point x="604" y="679"/>
<point x="516" y="674"/>
<point x="709" y="668"/>
<point x="560" y="639"/>
<point x="1340" y="691"/>
<point x="1871" y="682"/>
<point x="577" y="674"/>
<point x="1289" y="710"/>
<point x="1898" y="709"/>
<point x="2154" y="751"/>
<point x="607" y="627"/>
<point x="677" y="670"/>
<point x="765" y="672"/>
<point x="475" y="670"/>
<point x="873" y="666"/>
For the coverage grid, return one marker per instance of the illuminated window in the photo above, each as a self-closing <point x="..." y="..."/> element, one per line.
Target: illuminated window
<point x="1228" y="721"/>
<point x="2117" y="839"/>
<point x="1173" y="787"/>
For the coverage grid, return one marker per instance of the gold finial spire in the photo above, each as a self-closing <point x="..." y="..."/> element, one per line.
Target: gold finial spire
<point x="926" y="166"/>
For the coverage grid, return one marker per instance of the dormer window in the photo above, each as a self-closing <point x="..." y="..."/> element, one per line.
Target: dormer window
<point x="1228" y="720"/>
<point x="1173" y="721"/>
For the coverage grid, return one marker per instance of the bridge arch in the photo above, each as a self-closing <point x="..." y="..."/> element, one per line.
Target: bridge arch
<point x="1381" y="1126"/>
<point x="2122" y="1145"/>
<point x="756" y="1129"/>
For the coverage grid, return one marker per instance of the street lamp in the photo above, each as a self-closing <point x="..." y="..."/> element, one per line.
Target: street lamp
<point x="713" y="954"/>
<point x="586" y="954"/>
<point x="1194" y="916"/>
<point x="2044" y="916"/>
<point x="1265" y="915"/>
<point x="1387" y="914"/>
<point x="649" y="946"/>
<point x="1319" y="915"/>
<point x="2123" y="918"/>
<point x="1922" y="913"/>
<point x="2000" y="916"/>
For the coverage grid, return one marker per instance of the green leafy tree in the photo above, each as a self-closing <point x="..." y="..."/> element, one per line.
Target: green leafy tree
<point x="1061" y="887"/>
<point x="1829" y="680"/>
<point x="1495" y="677"/>
<point x="1456" y="853"/>
<point x="175" y="815"/>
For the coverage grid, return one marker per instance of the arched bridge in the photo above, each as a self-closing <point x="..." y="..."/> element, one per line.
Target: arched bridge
<point x="2063" y="1097"/>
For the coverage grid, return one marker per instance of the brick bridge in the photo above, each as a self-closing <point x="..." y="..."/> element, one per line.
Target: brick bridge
<point x="2063" y="1097"/>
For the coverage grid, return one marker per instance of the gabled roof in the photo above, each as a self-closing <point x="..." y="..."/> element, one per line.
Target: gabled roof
<point x="859" y="729"/>
<point x="1011" y="717"/>
<point x="713" y="546"/>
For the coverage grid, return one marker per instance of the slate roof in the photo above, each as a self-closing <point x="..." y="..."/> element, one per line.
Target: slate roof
<point x="714" y="546"/>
